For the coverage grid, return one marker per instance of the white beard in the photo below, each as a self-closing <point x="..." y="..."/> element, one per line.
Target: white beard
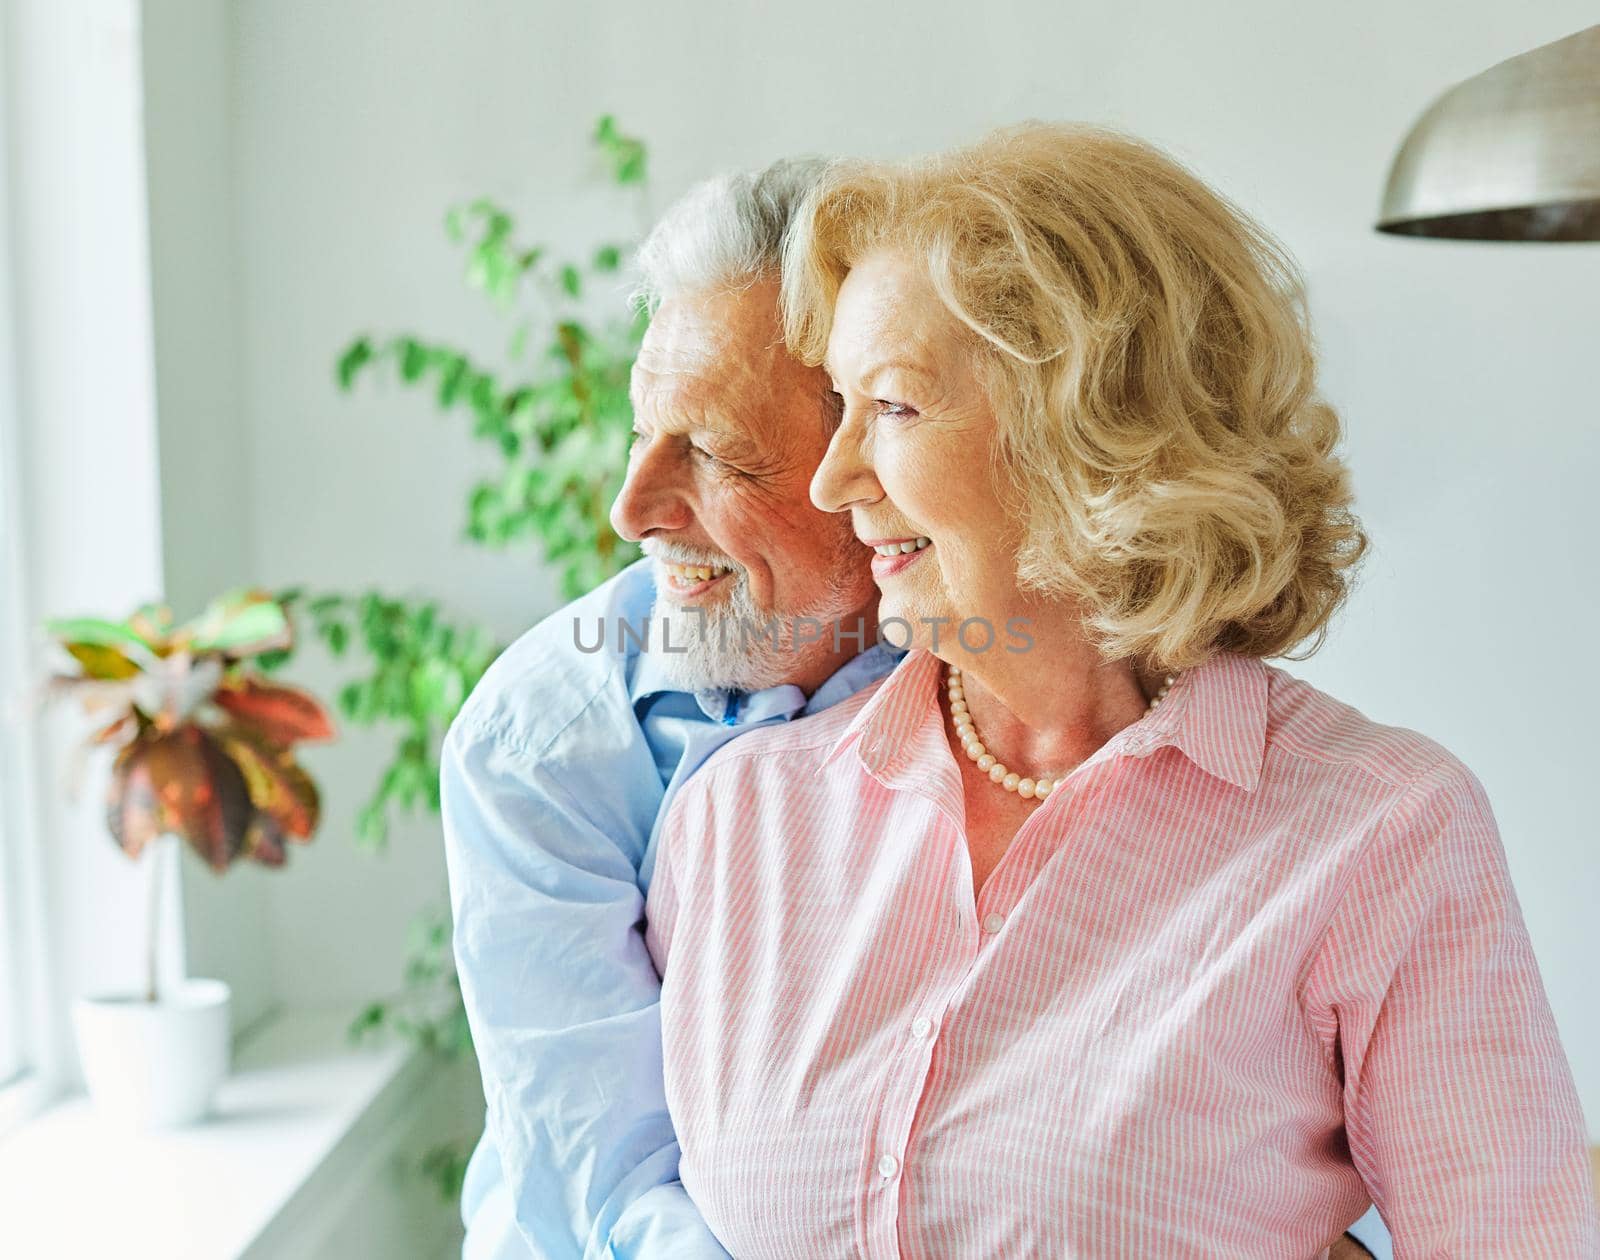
<point x="722" y="646"/>
<point x="730" y="644"/>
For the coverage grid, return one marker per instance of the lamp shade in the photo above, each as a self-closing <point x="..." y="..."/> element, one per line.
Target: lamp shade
<point x="1512" y="154"/>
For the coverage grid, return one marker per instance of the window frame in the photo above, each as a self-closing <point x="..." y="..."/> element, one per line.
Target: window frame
<point x="32" y="1078"/>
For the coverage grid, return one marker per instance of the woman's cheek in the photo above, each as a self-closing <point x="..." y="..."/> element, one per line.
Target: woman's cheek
<point x="910" y="476"/>
<point x="947" y="489"/>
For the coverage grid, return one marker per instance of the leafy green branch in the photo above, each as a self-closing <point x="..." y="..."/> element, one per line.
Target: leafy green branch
<point x="428" y="1012"/>
<point x="559" y="415"/>
<point x="419" y="670"/>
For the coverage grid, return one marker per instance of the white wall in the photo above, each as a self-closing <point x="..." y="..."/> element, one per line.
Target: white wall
<point x="1465" y="372"/>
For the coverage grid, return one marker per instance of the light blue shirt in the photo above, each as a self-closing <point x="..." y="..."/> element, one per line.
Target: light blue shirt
<point x="553" y="777"/>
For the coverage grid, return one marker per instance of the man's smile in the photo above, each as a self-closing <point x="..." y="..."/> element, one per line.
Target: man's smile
<point x="685" y="581"/>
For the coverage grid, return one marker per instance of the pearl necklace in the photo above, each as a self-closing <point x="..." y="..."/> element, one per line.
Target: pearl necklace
<point x="972" y="742"/>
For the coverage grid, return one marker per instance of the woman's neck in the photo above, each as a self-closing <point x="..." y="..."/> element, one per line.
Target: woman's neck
<point x="1050" y="708"/>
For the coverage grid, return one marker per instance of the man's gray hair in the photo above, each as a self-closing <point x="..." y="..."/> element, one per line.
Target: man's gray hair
<point x="724" y="233"/>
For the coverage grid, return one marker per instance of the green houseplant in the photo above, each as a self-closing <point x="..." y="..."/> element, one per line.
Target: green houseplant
<point x="203" y="751"/>
<point x="554" y="410"/>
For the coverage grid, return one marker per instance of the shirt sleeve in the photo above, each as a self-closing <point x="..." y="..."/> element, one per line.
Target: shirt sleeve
<point x="662" y="921"/>
<point x="1460" y="1108"/>
<point x="564" y="1005"/>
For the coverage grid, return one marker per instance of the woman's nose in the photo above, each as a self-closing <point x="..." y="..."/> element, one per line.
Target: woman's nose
<point x="652" y="499"/>
<point x="845" y="478"/>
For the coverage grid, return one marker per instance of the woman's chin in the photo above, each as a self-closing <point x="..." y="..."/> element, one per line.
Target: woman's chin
<point x="894" y="632"/>
<point x="906" y="623"/>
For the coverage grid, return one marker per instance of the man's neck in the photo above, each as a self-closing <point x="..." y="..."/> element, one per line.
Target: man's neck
<point x="839" y="643"/>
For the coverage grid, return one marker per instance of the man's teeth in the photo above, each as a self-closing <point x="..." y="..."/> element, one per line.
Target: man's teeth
<point x="697" y="572"/>
<point x="901" y="548"/>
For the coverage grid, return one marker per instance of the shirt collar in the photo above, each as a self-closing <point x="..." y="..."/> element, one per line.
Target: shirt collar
<point x="722" y="705"/>
<point x="734" y="708"/>
<point x="1215" y="714"/>
<point x="891" y="726"/>
<point x="650" y="679"/>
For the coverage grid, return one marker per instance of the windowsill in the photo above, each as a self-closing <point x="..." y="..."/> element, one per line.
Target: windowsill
<point x="21" y="1100"/>
<point x="302" y="1110"/>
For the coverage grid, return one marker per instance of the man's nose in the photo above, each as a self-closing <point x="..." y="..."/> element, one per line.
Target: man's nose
<point x="845" y="478"/>
<point x="652" y="496"/>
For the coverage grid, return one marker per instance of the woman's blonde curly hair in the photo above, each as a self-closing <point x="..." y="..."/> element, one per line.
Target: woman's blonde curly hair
<point x="1146" y="349"/>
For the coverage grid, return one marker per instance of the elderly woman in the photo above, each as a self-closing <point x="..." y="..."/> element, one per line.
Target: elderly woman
<point x="1087" y="932"/>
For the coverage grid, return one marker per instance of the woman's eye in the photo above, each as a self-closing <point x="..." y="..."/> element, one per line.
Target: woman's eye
<point x="900" y="411"/>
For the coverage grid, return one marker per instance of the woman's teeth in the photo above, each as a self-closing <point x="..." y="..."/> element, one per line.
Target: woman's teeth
<point x="901" y="548"/>
<point x="697" y="572"/>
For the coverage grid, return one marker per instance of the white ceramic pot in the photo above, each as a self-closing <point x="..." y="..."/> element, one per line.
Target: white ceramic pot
<point x="155" y="1065"/>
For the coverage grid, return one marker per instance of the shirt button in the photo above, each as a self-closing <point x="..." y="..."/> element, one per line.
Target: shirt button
<point x="993" y="923"/>
<point x="888" y="1166"/>
<point x="922" y="1028"/>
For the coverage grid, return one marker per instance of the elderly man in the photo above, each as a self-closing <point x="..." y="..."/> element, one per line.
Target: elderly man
<point x="562" y="759"/>
<point x="751" y="607"/>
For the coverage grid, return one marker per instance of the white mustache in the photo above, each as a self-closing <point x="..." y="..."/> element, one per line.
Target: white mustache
<point x="666" y="553"/>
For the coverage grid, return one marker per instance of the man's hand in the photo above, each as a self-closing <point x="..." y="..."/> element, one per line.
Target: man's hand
<point x="1347" y="1248"/>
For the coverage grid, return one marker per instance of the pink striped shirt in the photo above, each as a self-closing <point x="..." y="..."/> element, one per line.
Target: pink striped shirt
<point x="1254" y="961"/>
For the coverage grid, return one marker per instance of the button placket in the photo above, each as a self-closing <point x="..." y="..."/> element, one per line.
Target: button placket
<point x="952" y="965"/>
<point x="908" y="1075"/>
<point x="908" y="1081"/>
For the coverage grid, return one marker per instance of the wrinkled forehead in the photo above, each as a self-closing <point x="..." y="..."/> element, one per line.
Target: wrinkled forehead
<point x="888" y="312"/>
<point x="695" y="362"/>
<point x="719" y="356"/>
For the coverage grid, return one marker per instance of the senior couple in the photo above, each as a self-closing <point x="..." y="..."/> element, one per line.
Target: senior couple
<point x="1111" y="940"/>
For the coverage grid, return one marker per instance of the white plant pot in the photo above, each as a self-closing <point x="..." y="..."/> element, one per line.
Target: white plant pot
<point x="155" y="1065"/>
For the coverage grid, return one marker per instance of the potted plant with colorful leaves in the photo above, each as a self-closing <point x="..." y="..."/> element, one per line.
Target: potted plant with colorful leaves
<point x="203" y="753"/>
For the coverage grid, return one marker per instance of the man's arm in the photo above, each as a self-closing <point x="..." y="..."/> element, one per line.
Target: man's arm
<point x="563" y="1000"/>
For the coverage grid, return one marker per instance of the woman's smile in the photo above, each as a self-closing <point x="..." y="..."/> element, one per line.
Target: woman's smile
<point x="893" y="555"/>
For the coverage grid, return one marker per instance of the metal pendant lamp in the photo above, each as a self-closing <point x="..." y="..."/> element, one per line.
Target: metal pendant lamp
<point x="1512" y="154"/>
